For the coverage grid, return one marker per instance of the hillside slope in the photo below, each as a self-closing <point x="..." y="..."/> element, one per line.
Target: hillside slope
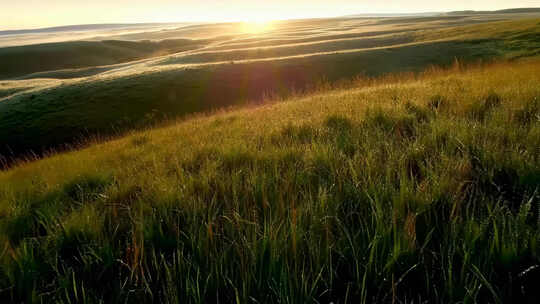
<point x="64" y="111"/>
<point x="523" y="10"/>
<point x="19" y="61"/>
<point x="404" y="190"/>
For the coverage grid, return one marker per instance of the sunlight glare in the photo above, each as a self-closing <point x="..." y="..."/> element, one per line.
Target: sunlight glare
<point x="256" y="25"/>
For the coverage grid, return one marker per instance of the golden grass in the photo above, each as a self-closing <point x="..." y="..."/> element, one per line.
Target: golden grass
<point x="357" y="193"/>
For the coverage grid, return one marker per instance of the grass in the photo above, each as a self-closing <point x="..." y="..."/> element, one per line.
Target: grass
<point x="514" y="39"/>
<point x="80" y="54"/>
<point x="226" y="41"/>
<point x="58" y="116"/>
<point x="107" y="106"/>
<point x="418" y="189"/>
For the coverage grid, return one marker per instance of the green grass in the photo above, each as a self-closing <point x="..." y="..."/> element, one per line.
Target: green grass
<point x="513" y="39"/>
<point x="64" y="114"/>
<point x="69" y="111"/>
<point x="402" y="190"/>
<point x="80" y="54"/>
<point x="11" y="91"/>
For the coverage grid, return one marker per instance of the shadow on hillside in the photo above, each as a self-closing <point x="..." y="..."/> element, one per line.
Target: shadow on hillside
<point x="66" y="115"/>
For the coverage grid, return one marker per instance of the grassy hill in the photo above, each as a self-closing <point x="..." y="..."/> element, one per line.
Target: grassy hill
<point x="524" y="10"/>
<point x="398" y="190"/>
<point x="19" y="61"/>
<point x="37" y="115"/>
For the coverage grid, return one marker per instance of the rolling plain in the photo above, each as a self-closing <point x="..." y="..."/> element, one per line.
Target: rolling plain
<point x="365" y="160"/>
<point x="56" y="95"/>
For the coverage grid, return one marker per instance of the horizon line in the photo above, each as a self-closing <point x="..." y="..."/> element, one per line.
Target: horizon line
<point x="235" y="20"/>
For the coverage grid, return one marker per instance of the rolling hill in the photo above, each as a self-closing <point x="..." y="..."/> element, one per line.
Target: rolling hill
<point x="57" y="109"/>
<point x="81" y="54"/>
<point x="524" y="10"/>
<point x="338" y="160"/>
<point x="394" y="189"/>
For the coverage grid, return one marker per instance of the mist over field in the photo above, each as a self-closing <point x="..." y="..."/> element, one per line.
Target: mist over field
<point x="370" y="157"/>
<point x="78" y="32"/>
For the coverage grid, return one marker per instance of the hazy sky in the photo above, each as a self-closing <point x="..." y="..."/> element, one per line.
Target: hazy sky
<point x="16" y="14"/>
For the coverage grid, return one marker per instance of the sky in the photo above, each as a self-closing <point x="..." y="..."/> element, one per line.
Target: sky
<point x="26" y="14"/>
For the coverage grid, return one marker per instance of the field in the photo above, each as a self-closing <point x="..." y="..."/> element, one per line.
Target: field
<point x="353" y="160"/>
<point x="55" y="109"/>
<point x="418" y="189"/>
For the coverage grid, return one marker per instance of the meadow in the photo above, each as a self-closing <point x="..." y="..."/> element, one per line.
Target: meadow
<point x="406" y="189"/>
<point x="59" y="109"/>
<point x="348" y="160"/>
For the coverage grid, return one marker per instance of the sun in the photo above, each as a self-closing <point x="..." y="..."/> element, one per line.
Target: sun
<point x="256" y="25"/>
